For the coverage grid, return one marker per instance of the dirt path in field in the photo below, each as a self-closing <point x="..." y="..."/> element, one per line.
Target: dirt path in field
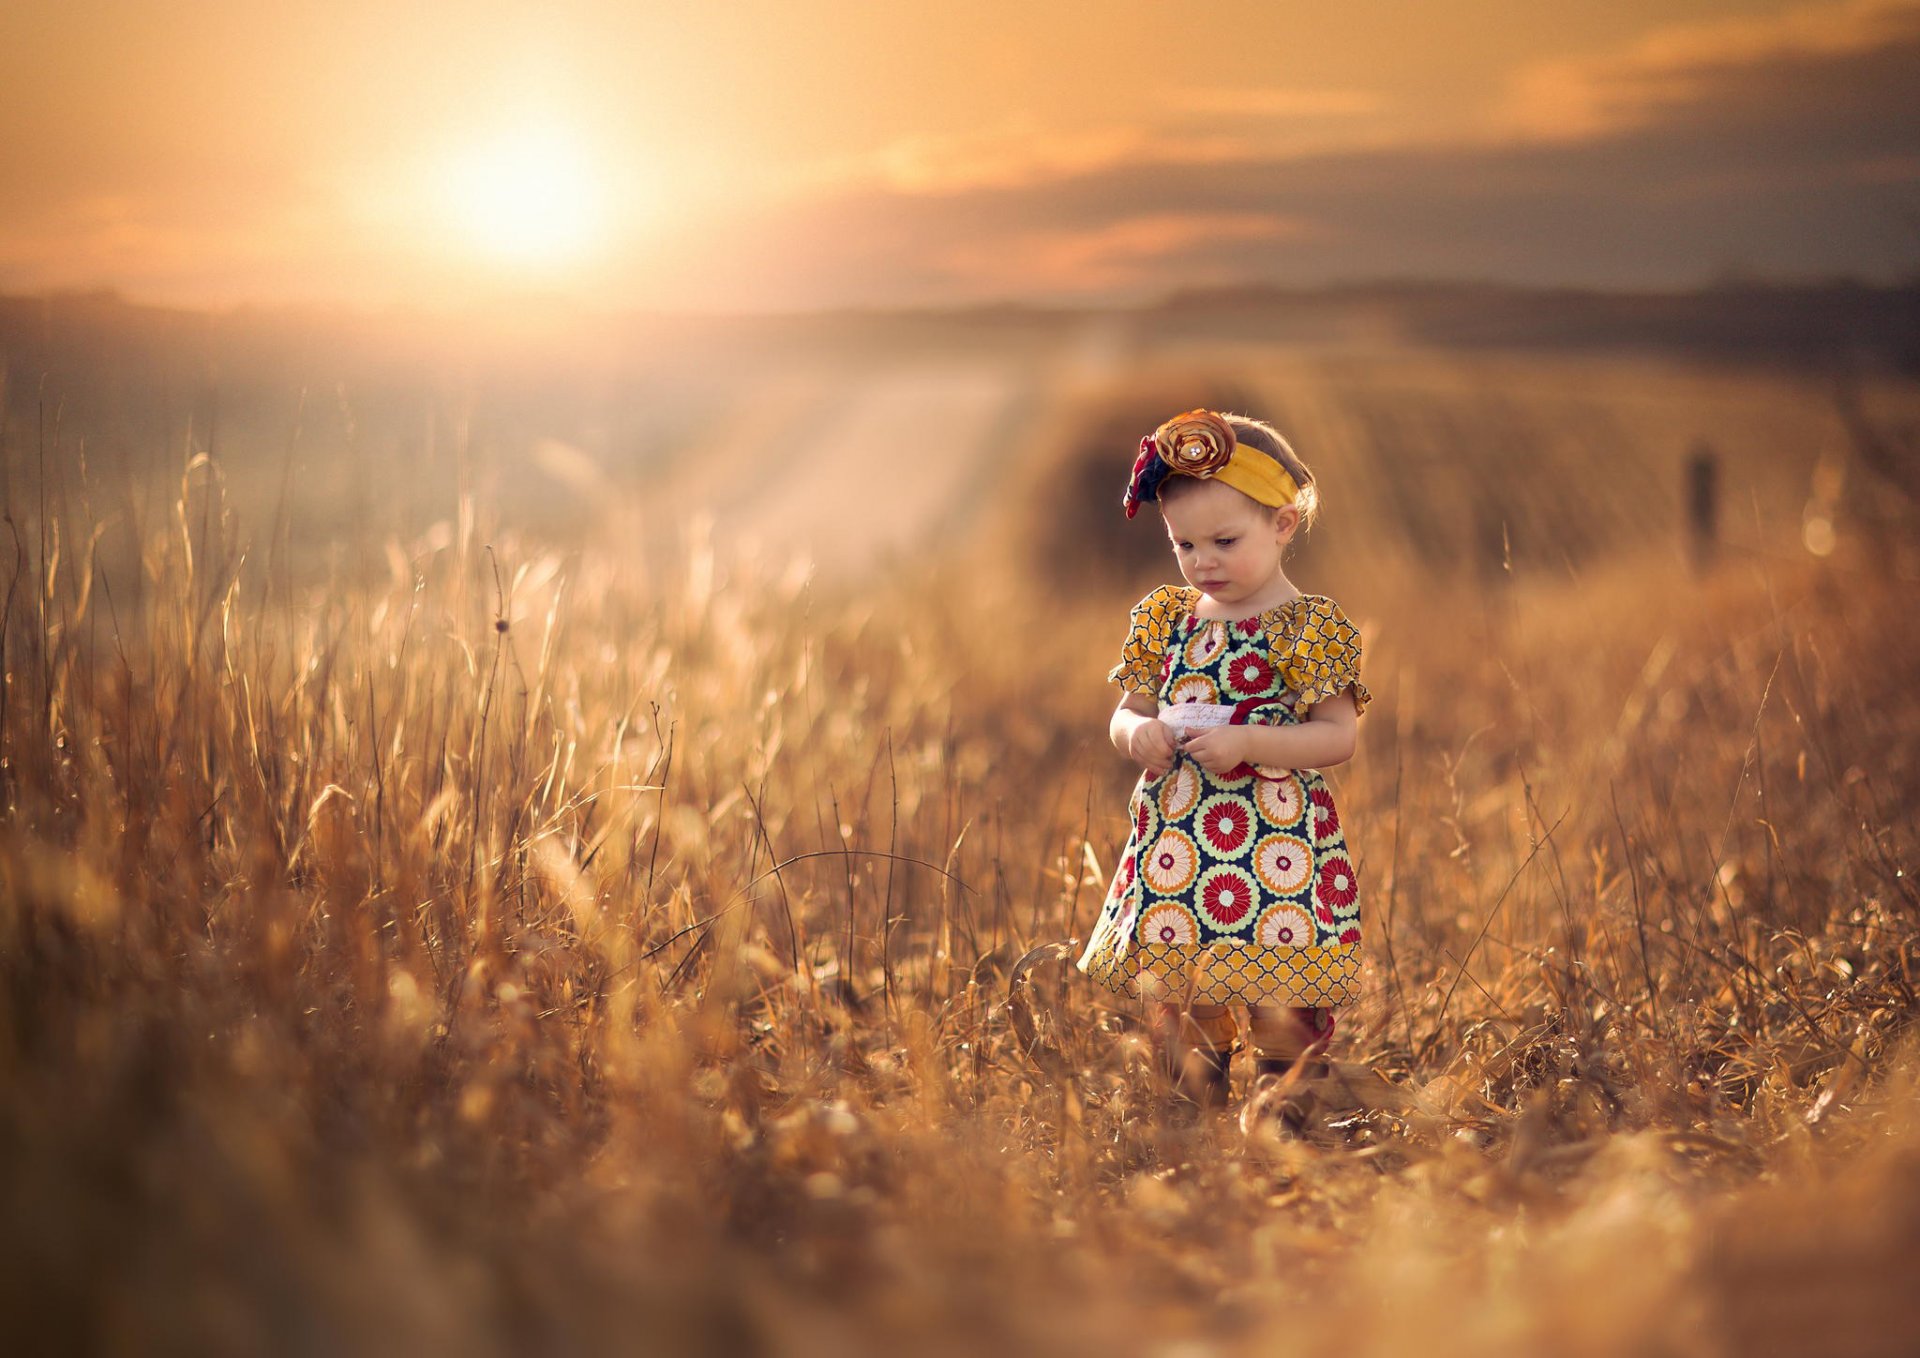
<point x="852" y="469"/>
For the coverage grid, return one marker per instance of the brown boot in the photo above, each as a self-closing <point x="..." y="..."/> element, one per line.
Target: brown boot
<point x="1286" y="1094"/>
<point x="1289" y="1047"/>
<point x="1314" y="1068"/>
<point x="1200" y="1075"/>
<point x="1195" y="1054"/>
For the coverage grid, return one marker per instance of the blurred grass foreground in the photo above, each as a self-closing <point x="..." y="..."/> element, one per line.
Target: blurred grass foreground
<point x="502" y="939"/>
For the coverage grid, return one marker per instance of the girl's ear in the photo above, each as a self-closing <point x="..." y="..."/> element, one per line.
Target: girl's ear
<point x="1286" y="519"/>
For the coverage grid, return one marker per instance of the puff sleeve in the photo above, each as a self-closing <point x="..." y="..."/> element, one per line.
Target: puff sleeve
<point x="1142" y="654"/>
<point x="1318" y="652"/>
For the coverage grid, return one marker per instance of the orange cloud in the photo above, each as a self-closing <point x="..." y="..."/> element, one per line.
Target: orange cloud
<point x="1123" y="254"/>
<point x="1013" y="156"/>
<point x="1279" y="103"/>
<point x="1020" y="153"/>
<point x="1785" y="143"/>
<point x="1587" y="97"/>
<point x="1783" y="149"/>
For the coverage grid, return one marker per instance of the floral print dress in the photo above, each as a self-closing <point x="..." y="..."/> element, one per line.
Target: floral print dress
<point x="1234" y="887"/>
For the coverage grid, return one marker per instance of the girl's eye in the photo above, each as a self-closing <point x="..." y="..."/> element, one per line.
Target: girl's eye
<point x="1226" y="542"/>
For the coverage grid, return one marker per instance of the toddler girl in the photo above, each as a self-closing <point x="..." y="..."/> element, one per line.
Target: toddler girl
<point x="1236" y="886"/>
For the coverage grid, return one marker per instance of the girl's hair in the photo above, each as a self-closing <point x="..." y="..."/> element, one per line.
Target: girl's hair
<point x="1260" y="435"/>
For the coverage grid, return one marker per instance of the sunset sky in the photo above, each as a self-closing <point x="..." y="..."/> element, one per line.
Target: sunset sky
<point x="665" y="155"/>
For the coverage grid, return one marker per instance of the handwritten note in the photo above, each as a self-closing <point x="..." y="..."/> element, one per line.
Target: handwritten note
<point x="1187" y="718"/>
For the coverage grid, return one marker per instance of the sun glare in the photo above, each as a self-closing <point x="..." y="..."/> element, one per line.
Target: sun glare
<point x="529" y="196"/>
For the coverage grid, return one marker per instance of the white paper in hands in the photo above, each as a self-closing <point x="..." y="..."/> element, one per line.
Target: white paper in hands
<point x="1188" y="718"/>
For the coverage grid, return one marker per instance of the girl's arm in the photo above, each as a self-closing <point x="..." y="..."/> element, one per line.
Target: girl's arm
<point x="1327" y="737"/>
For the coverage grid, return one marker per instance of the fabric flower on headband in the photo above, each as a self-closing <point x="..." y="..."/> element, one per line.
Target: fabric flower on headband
<point x="1202" y="444"/>
<point x="1198" y="443"/>
<point x="1148" y="472"/>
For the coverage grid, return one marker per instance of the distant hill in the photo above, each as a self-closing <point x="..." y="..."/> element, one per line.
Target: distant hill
<point x="1814" y="325"/>
<point x="1817" y="325"/>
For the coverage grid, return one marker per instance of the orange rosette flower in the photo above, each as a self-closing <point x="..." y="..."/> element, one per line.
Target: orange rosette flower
<point x="1198" y="443"/>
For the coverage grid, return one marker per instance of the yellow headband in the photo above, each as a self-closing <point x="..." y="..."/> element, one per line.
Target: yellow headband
<point x="1202" y="444"/>
<point x="1252" y="472"/>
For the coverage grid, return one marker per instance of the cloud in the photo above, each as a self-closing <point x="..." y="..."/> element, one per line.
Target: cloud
<point x="1786" y="147"/>
<point x="1216" y="126"/>
<point x="1274" y="102"/>
<point x="1682" y="68"/>
<point x="1123" y="255"/>
<point x="1014" y="154"/>
<point x="1784" y="144"/>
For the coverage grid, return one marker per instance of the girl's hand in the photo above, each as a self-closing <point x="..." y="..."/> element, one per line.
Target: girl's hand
<point x="1150" y="744"/>
<point x="1218" y="749"/>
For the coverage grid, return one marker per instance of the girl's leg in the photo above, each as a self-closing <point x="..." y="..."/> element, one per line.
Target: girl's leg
<point x="1195" y="1047"/>
<point x="1282" y="1035"/>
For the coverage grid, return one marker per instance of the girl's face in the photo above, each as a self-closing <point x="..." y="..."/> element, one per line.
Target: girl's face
<point x="1228" y="546"/>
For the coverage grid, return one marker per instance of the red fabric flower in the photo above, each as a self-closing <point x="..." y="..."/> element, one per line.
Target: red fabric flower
<point x="1148" y="452"/>
<point x="1249" y="673"/>
<point x="1226" y="826"/>
<point x="1326" y="820"/>
<point x="1226" y="898"/>
<point x="1338" y="887"/>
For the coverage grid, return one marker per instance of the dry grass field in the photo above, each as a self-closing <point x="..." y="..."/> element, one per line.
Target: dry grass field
<point x="609" y="932"/>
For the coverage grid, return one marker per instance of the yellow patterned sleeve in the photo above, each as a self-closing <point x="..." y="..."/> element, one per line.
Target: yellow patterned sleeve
<point x="1320" y="654"/>
<point x="1145" y="648"/>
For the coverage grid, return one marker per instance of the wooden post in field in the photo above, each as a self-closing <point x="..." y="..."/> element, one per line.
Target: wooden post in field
<point x="1703" y="506"/>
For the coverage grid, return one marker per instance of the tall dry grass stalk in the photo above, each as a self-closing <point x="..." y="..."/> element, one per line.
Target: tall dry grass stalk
<point x="528" y="951"/>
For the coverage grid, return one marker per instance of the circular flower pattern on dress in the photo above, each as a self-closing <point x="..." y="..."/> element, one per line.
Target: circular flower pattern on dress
<point x="1181" y="791"/>
<point x="1338" y="888"/>
<point x="1284" y="926"/>
<point x="1206" y="644"/>
<point x="1226" y="826"/>
<point x="1169" y="864"/>
<point x="1349" y="935"/>
<point x="1227" y="896"/>
<point x="1170" y="925"/>
<point x="1193" y="688"/>
<point x="1279" y="800"/>
<point x="1284" y="864"/>
<point x="1122" y="878"/>
<point x="1249" y="674"/>
<point x="1234" y="779"/>
<point x="1326" y="820"/>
